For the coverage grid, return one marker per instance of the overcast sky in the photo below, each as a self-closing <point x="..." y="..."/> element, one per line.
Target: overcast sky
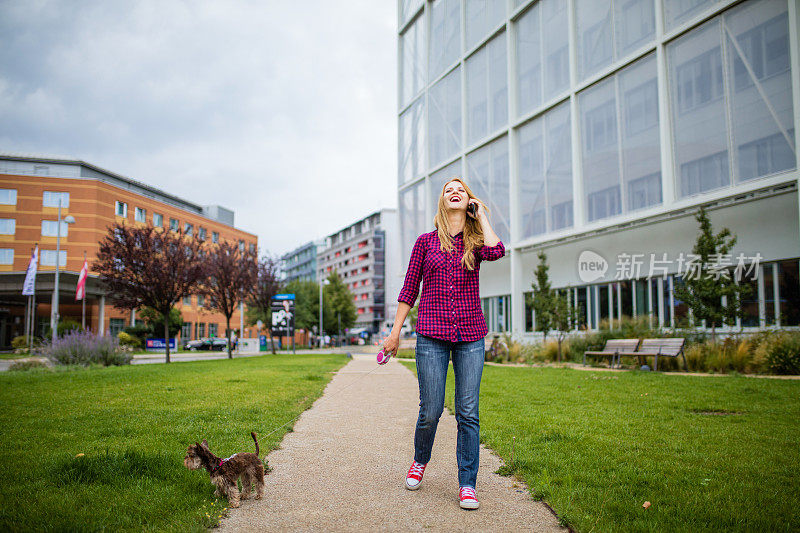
<point x="284" y="111"/>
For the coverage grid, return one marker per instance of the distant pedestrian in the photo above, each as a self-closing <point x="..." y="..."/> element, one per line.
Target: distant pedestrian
<point x="450" y="323"/>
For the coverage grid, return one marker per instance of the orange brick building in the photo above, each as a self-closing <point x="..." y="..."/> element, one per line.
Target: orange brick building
<point x="30" y="189"/>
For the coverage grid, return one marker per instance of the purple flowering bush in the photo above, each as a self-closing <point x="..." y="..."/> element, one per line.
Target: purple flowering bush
<point x="85" y="348"/>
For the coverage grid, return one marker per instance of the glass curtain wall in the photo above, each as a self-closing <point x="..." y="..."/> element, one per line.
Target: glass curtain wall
<point x="482" y="81"/>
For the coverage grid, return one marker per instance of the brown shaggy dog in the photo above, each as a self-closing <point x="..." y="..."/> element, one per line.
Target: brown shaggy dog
<point x="225" y="472"/>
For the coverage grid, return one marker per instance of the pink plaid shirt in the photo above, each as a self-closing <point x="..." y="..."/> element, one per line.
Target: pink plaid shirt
<point x="450" y="301"/>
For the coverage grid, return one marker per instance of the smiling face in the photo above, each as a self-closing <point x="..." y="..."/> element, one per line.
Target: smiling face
<point x="455" y="196"/>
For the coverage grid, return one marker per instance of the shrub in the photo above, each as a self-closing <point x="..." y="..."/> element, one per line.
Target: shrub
<point x="31" y="364"/>
<point x="780" y="352"/>
<point x="20" y="342"/>
<point x="85" y="348"/>
<point x="126" y="339"/>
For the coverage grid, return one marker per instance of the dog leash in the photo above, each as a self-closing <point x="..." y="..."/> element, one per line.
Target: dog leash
<point x="329" y="396"/>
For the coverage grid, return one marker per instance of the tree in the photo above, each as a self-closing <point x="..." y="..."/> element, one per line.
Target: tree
<point x="306" y="303"/>
<point x="230" y="273"/>
<point x="337" y="302"/>
<point x="265" y="287"/>
<point x="563" y="316"/>
<point x="552" y="307"/>
<point x="703" y="289"/>
<point x="154" y="319"/>
<point x="146" y="266"/>
<point x="542" y="296"/>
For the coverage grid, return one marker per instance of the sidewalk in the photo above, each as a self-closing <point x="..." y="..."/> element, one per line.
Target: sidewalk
<point x="343" y="467"/>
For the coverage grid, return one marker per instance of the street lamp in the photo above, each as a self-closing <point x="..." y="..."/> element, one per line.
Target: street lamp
<point x="69" y="219"/>
<point x="321" y="331"/>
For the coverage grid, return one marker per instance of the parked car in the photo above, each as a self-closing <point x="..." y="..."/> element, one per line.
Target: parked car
<point x="214" y="344"/>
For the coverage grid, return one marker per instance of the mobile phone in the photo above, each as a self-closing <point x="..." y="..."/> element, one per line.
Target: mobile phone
<point x="472" y="209"/>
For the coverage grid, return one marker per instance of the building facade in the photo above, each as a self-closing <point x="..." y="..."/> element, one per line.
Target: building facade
<point x="362" y="254"/>
<point x="301" y="263"/>
<point x="30" y="191"/>
<point x="594" y="130"/>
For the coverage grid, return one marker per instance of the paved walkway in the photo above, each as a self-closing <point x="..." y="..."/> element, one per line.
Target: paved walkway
<point x="343" y="466"/>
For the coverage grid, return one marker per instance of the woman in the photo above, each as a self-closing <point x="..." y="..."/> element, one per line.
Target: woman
<point x="449" y="322"/>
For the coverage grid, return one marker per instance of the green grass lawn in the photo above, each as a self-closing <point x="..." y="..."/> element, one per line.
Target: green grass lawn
<point x="708" y="453"/>
<point x="133" y="425"/>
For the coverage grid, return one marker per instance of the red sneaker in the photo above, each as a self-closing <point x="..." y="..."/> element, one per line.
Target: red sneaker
<point x="414" y="476"/>
<point x="467" y="499"/>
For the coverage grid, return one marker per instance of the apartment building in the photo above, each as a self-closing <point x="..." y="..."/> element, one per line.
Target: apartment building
<point x="31" y="188"/>
<point x="301" y="263"/>
<point x="362" y="253"/>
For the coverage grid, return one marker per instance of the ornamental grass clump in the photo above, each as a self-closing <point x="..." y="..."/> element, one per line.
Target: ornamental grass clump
<point x="85" y="348"/>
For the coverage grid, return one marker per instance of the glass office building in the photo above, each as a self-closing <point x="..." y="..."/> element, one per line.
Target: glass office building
<point x="600" y="127"/>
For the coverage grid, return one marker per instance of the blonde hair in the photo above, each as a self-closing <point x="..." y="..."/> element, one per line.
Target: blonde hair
<point x="473" y="233"/>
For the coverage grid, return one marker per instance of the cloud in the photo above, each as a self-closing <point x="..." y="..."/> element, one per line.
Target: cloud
<point x="284" y="112"/>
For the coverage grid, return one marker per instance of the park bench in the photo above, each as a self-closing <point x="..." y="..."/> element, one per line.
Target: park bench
<point x="667" y="347"/>
<point x="615" y="348"/>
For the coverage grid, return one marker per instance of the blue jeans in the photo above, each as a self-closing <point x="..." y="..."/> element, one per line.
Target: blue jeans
<point x="433" y="356"/>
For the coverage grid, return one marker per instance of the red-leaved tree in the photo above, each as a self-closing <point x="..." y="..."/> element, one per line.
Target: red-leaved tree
<point x="147" y="266"/>
<point x="229" y="275"/>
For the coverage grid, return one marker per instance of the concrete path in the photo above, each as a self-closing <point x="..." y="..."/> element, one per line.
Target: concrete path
<point x="343" y="468"/>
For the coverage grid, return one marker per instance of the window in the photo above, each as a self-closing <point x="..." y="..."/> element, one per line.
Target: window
<point x="487" y="92"/>
<point x="6" y="256"/>
<point x="677" y="11"/>
<point x="8" y="196"/>
<point x="252" y="248"/>
<point x="482" y="16"/>
<point x="201" y="300"/>
<point x="765" y="50"/>
<point x="600" y="128"/>
<point x="487" y="171"/>
<point x="789" y="292"/>
<point x="699" y="80"/>
<point x="698" y="110"/>
<point x="757" y="49"/>
<point x="445" y="37"/>
<point x="140" y="214"/>
<point x="174" y="225"/>
<point x="115" y="325"/>
<point x="214" y="237"/>
<point x="604" y="203"/>
<point x="50" y="228"/>
<point x="158" y="220"/>
<point x="188" y="229"/>
<point x="765" y="156"/>
<point x="212" y="330"/>
<point x="241" y="246"/>
<point x="48" y="258"/>
<point x="611" y="29"/>
<point x="641" y="108"/>
<point x="120" y="209"/>
<point x="187" y="300"/>
<point x="704" y="174"/>
<point x="644" y="191"/>
<point x="542" y="54"/>
<point x="545" y="166"/>
<point x="201" y="330"/>
<point x="412" y="61"/>
<point x="8" y="226"/>
<point x="202" y="233"/>
<point x="444" y="121"/>
<point x="186" y="331"/>
<point x="51" y="199"/>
